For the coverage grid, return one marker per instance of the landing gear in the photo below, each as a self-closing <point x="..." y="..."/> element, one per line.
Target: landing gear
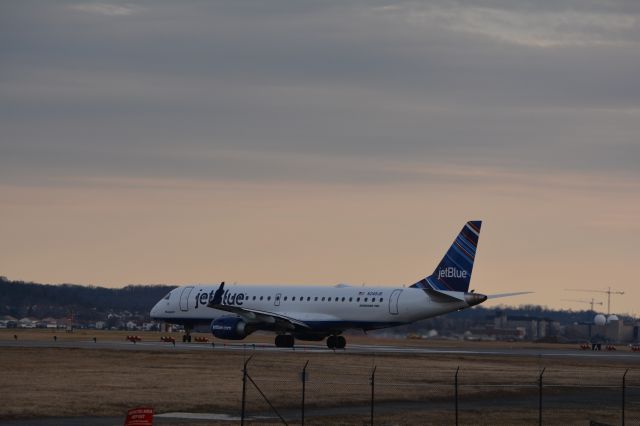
<point x="336" y="342"/>
<point x="186" y="338"/>
<point x="284" y="341"/>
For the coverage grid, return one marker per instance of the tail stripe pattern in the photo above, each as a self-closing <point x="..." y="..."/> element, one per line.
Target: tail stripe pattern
<point x="454" y="271"/>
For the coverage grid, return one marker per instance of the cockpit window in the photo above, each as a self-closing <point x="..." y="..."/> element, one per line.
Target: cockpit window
<point x="167" y="296"/>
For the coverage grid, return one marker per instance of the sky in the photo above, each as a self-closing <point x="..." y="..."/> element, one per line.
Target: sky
<point x="328" y="142"/>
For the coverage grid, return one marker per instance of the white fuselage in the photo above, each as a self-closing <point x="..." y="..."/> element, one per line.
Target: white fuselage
<point x="321" y="308"/>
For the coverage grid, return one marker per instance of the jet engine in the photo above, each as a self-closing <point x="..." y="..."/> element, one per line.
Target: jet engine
<point x="230" y="328"/>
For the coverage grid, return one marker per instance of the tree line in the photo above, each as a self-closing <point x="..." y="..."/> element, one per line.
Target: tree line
<point x="20" y="299"/>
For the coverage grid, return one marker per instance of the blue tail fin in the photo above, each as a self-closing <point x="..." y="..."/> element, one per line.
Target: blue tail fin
<point x="454" y="271"/>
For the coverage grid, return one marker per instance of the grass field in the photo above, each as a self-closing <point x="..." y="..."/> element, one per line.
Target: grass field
<point x="259" y="337"/>
<point x="43" y="382"/>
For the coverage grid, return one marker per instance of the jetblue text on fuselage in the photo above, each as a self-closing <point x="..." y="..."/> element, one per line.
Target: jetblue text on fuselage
<point x="227" y="298"/>
<point x="452" y="272"/>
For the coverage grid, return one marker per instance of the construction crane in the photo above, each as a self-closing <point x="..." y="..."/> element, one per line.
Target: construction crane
<point x="590" y="302"/>
<point x="608" y="292"/>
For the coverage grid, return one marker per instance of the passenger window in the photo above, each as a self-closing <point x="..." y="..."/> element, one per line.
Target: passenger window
<point x="261" y="297"/>
<point x="323" y="299"/>
<point x="293" y="299"/>
<point x="308" y="299"/>
<point x="351" y="299"/>
<point x="381" y="300"/>
<point x="285" y="298"/>
<point x="343" y="299"/>
<point x="373" y="299"/>
<point x="366" y="299"/>
<point x="268" y="297"/>
<point x="315" y="299"/>
<point x="358" y="299"/>
<point x="254" y="298"/>
<point x="329" y="299"/>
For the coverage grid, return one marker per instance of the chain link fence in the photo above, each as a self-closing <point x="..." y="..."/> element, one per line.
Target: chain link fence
<point x="377" y="393"/>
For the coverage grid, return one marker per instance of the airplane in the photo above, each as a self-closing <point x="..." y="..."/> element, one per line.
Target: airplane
<point x="317" y="312"/>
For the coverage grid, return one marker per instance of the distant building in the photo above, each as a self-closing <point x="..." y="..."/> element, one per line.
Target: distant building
<point x="534" y="328"/>
<point x="7" y="321"/>
<point x="27" y="322"/>
<point x="151" y="326"/>
<point x="47" y="323"/>
<point x="614" y="331"/>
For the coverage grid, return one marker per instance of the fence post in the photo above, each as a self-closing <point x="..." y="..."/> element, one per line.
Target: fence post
<point x="540" y="397"/>
<point x="624" y="390"/>
<point x="373" y="386"/>
<point x="456" y="393"/>
<point x="244" y="389"/>
<point x="304" y="381"/>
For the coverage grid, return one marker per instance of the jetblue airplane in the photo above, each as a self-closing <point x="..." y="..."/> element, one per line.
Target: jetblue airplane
<point x="315" y="313"/>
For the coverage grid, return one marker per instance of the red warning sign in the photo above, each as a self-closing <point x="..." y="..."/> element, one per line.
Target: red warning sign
<point x="141" y="416"/>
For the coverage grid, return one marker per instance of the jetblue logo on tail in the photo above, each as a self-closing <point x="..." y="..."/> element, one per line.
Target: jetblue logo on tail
<point x="452" y="272"/>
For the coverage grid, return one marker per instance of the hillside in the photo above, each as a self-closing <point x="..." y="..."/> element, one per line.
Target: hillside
<point x="21" y="299"/>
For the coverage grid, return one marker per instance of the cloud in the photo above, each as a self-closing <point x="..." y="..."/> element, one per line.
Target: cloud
<point x="106" y="9"/>
<point x="340" y="81"/>
<point x="528" y="27"/>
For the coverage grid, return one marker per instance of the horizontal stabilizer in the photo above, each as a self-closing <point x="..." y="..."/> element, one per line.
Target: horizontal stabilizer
<point x="499" y="295"/>
<point x="442" y="296"/>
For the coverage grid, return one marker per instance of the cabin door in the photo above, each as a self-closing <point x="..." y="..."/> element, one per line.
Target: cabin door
<point x="184" y="298"/>
<point x="393" y="301"/>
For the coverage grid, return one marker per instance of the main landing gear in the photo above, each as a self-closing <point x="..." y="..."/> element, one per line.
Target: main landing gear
<point x="333" y="341"/>
<point x="284" y="341"/>
<point x="336" y="342"/>
<point x="186" y="337"/>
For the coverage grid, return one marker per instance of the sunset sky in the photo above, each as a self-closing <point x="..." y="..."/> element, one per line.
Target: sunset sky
<point x="322" y="142"/>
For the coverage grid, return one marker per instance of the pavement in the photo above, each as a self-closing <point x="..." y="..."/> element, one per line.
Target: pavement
<point x="625" y="354"/>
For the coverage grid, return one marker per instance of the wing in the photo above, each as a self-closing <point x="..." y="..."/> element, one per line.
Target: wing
<point x="254" y="315"/>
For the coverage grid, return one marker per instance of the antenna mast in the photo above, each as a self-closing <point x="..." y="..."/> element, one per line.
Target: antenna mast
<point x="608" y="292"/>
<point x="589" y="302"/>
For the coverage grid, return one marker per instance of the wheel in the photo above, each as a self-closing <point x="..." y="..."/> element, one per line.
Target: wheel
<point x="284" y="341"/>
<point x="289" y="340"/>
<point x="331" y="342"/>
<point x="184" y="339"/>
<point x="341" y="342"/>
<point x="189" y="338"/>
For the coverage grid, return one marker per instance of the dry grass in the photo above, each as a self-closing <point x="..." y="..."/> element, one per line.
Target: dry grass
<point x="259" y="337"/>
<point x="38" y="382"/>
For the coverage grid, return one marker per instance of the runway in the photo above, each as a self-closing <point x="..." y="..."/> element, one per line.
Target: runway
<point x="622" y="355"/>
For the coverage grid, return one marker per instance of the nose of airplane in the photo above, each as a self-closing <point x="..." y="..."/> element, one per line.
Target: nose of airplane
<point x="155" y="311"/>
